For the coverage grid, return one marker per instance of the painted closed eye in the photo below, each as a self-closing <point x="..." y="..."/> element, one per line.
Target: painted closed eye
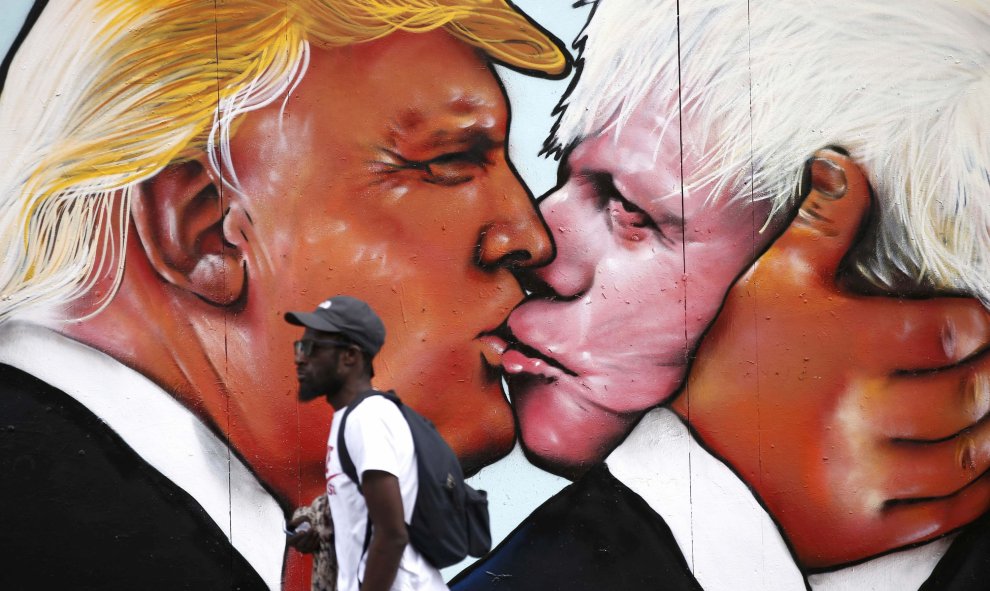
<point x="455" y="168"/>
<point x="625" y="218"/>
<point x="449" y="169"/>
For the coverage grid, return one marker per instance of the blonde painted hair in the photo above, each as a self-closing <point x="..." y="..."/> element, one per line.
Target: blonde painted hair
<point x="106" y="93"/>
<point x="904" y="86"/>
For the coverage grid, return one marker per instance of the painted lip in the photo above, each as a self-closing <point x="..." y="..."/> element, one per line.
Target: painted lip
<point x="493" y="346"/>
<point x="517" y="357"/>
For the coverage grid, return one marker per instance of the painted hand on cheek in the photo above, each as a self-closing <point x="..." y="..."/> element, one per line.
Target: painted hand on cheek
<point x="861" y="416"/>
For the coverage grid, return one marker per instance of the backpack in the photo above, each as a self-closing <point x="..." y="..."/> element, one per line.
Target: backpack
<point x="450" y="519"/>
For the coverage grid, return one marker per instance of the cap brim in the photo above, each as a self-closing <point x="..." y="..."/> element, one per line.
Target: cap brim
<point x="310" y="320"/>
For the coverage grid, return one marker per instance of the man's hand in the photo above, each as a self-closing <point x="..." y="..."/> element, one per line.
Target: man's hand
<point x="306" y="540"/>
<point x="860" y="421"/>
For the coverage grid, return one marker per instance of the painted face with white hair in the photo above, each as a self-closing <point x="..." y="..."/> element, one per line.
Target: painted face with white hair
<point x="641" y="269"/>
<point x="642" y="266"/>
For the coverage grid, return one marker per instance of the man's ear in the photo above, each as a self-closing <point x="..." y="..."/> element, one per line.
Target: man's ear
<point x="179" y="216"/>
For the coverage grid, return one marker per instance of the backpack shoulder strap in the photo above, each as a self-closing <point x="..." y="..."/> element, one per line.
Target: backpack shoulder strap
<point x="390" y="395"/>
<point x="346" y="463"/>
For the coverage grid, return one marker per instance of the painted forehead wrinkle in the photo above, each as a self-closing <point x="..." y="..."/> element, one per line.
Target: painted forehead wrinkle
<point x="468" y="102"/>
<point x="464" y="119"/>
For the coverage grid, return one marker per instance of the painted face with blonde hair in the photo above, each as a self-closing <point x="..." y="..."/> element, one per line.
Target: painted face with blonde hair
<point x="252" y="157"/>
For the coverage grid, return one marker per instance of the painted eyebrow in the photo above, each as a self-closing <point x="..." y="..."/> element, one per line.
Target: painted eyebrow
<point x="605" y="187"/>
<point x="473" y="136"/>
<point x="478" y="144"/>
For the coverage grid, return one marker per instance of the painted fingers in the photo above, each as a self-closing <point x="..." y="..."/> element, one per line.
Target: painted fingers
<point x="864" y="416"/>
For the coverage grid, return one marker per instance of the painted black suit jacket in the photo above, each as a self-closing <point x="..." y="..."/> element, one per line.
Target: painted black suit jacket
<point x="79" y="509"/>
<point x="594" y="535"/>
<point x="597" y="535"/>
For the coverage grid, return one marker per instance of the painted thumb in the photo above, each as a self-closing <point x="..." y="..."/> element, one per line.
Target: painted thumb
<point x="830" y="217"/>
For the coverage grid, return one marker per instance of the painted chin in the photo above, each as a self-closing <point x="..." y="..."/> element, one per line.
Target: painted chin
<point x="540" y="388"/>
<point x="459" y="388"/>
<point x="559" y="425"/>
<point x="568" y="421"/>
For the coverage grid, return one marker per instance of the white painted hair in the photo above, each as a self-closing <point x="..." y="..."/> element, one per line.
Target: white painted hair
<point x="903" y="85"/>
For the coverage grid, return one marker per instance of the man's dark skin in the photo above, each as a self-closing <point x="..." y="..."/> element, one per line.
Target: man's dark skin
<point x="338" y="371"/>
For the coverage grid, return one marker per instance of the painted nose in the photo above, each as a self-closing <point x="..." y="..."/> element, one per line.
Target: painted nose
<point x="514" y="245"/>
<point x="515" y="237"/>
<point x="578" y="247"/>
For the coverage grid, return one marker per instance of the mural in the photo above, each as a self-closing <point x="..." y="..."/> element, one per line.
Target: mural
<point x="746" y="323"/>
<point x="685" y="150"/>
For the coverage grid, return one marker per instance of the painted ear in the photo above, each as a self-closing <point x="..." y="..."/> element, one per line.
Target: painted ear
<point x="180" y="220"/>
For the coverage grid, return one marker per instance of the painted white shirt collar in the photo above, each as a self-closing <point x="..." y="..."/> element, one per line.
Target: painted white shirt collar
<point x="726" y="536"/>
<point x="145" y="416"/>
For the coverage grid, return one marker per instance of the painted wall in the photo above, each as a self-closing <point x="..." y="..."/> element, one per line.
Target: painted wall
<point x="694" y="292"/>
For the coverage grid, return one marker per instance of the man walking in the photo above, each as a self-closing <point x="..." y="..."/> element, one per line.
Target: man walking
<point x="334" y="360"/>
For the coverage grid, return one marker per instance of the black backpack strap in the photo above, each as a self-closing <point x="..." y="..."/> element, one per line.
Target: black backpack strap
<point x="346" y="463"/>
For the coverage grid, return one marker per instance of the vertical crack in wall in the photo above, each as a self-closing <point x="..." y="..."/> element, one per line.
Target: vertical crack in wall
<point x="755" y="224"/>
<point x="299" y="500"/>
<point x="226" y="365"/>
<point x="684" y="271"/>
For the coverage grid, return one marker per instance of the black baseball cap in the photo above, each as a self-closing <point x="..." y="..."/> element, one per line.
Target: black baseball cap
<point x="347" y="315"/>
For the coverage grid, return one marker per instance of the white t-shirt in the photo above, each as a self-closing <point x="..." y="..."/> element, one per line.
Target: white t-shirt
<point x="378" y="438"/>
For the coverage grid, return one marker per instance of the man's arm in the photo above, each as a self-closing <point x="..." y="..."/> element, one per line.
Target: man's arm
<point x="860" y="421"/>
<point x="389" y="537"/>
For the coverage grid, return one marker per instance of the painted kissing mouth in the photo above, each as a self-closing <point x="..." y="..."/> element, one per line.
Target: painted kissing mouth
<point x="493" y="345"/>
<point x="517" y="357"/>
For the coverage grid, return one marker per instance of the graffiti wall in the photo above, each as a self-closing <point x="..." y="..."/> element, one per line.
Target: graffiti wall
<point x="695" y="289"/>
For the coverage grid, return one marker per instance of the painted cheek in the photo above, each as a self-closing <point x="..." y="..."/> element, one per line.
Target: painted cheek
<point x="714" y="264"/>
<point x="447" y="218"/>
<point x="624" y="324"/>
<point x="640" y="315"/>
